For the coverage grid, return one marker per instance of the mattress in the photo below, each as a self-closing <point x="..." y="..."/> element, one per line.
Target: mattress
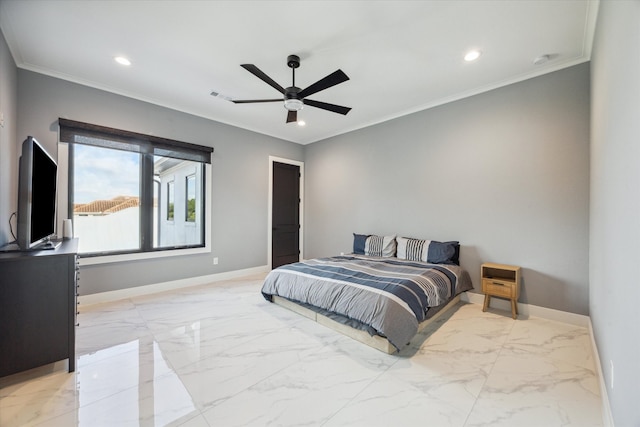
<point x="383" y="295"/>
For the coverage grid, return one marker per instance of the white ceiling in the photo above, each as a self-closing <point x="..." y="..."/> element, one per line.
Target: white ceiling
<point x="401" y="56"/>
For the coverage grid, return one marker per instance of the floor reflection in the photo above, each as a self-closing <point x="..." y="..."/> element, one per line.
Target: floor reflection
<point x="138" y="382"/>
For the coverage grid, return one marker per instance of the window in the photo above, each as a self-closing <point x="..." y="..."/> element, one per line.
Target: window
<point x="180" y="227"/>
<point x="122" y="190"/>
<point x="106" y="197"/>
<point x="190" y="191"/>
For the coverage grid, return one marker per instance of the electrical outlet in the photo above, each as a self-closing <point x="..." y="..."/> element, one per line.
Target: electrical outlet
<point x="611" y="363"/>
<point x="215" y="261"/>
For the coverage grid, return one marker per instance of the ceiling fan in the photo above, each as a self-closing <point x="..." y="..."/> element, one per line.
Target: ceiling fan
<point x="294" y="97"/>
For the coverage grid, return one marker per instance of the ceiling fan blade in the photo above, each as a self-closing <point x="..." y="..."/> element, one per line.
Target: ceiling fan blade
<point x="292" y="116"/>
<point x="329" y="107"/>
<point x="262" y="76"/>
<point x="251" y="101"/>
<point x="332" y="79"/>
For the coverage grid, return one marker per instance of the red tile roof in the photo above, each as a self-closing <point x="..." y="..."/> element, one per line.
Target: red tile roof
<point x="107" y="206"/>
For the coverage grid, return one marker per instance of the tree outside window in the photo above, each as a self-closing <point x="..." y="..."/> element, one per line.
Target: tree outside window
<point x="191" y="198"/>
<point x="170" y="200"/>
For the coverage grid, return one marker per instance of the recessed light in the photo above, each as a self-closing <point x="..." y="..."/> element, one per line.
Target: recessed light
<point x="301" y="123"/>
<point x="472" y="55"/>
<point x="122" y="60"/>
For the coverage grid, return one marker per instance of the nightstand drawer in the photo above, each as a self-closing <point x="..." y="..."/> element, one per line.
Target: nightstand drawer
<point x="498" y="288"/>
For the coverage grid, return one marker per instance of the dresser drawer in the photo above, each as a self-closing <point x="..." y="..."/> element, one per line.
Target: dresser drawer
<point x="498" y="288"/>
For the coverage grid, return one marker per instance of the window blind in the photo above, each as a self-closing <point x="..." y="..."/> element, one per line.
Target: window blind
<point x="89" y="134"/>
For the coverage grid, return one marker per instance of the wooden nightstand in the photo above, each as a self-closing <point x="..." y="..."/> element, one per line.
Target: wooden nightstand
<point x="503" y="281"/>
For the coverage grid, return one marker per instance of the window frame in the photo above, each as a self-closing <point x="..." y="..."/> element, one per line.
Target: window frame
<point x="146" y="250"/>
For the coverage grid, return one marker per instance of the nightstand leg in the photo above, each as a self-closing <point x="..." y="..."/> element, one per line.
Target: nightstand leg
<point x="486" y="302"/>
<point x="514" y="309"/>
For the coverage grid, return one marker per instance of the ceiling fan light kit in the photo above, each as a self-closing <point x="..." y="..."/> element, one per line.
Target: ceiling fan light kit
<point x="293" y="104"/>
<point x="295" y="98"/>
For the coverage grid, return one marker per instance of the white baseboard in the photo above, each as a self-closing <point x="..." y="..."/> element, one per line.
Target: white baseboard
<point x="607" y="415"/>
<point x="111" y="296"/>
<point x="559" y="316"/>
<point x="526" y="310"/>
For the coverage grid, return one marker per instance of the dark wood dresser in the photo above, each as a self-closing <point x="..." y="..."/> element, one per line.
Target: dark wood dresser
<point x="38" y="307"/>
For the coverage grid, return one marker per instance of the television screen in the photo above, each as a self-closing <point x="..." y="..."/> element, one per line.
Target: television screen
<point x="36" y="195"/>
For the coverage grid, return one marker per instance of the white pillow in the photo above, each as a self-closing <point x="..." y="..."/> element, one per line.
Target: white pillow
<point x="413" y="249"/>
<point x="382" y="246"/>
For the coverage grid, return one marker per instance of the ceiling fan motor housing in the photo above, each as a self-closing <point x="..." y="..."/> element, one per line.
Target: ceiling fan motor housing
<point x="291" y="100"/>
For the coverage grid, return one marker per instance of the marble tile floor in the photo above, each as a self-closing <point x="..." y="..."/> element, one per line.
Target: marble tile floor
<point x="220" y="355"/>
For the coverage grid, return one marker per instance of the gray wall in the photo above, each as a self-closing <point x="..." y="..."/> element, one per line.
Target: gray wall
<point x="615" y="204"/>
<point x="8" y="146"/>
<point x="517" y="193"/>
<point x="505" y="172"/>
<point x="240" y="175"/>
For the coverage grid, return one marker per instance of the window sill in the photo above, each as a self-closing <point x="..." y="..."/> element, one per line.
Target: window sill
<point x="108" y="259"/>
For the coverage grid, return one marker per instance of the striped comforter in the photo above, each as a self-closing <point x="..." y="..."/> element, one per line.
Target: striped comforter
<point x="389" y="294"/>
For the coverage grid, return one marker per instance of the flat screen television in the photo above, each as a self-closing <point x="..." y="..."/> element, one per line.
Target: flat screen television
<point x="37" y="182"/>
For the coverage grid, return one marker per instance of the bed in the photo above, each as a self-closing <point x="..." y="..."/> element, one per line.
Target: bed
<point x="381" y="296"/>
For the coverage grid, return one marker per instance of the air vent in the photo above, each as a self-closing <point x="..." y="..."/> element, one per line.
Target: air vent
<point x="219" y="95"/>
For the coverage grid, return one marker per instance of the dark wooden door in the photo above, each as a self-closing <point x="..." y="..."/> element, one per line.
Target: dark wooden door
<point x="285" y="236"/>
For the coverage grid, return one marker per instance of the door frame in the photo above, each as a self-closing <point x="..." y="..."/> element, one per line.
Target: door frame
<point x="272" y="160"/>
